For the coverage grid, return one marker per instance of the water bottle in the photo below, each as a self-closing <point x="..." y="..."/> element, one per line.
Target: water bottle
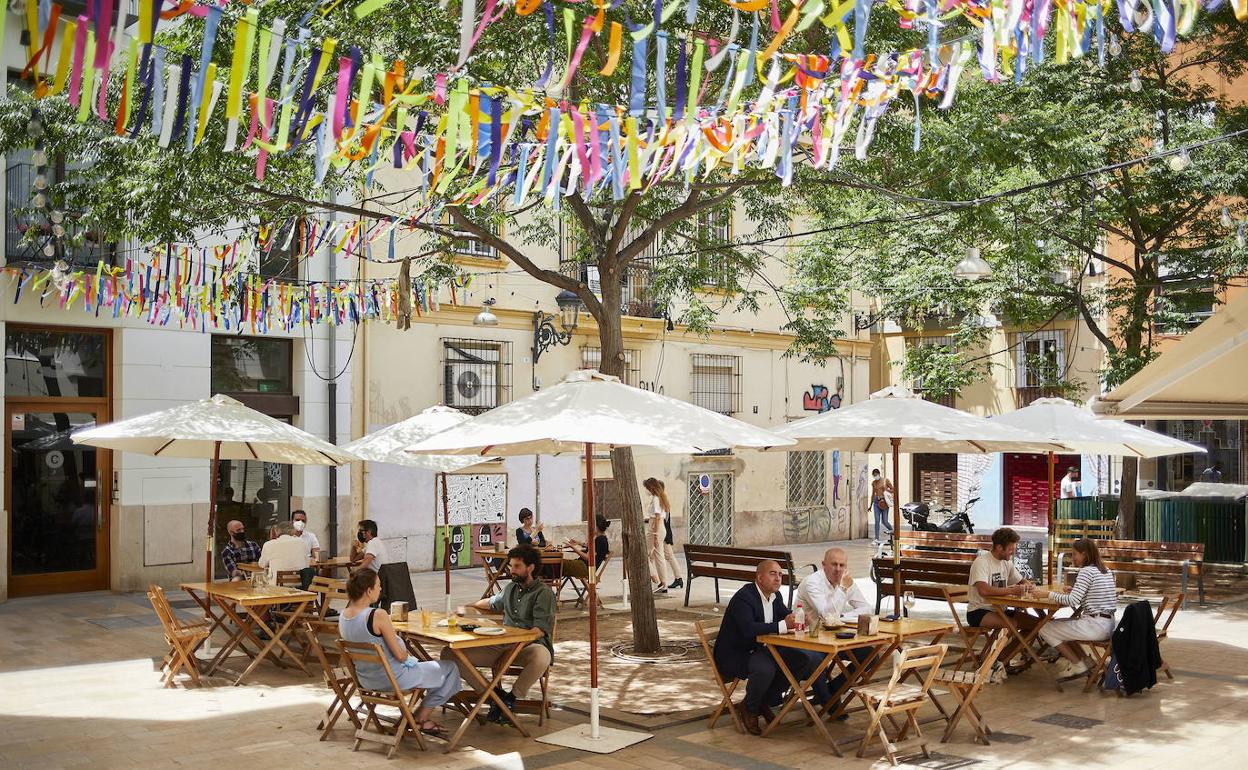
<point x="799" y="618"/>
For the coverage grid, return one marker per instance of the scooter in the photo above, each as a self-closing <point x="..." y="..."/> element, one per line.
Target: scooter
<point x="918" y="514"/>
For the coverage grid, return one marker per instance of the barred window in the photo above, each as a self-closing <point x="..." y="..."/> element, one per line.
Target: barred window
<point x="466" y="244"/>
<point x="944" y="399"/>
<point x="716" y="382"/>
<point x="807" y="479"/>
<point x="476" y="374"/>
<point x="591" y="358"/>
<point x="714" y="230"/>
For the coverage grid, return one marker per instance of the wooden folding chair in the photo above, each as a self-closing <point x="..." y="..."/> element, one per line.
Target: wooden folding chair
<point x="971" y="635"/>
<point x="337" y="678"/>
<point x="965" y="686"/>
<point x="329" y="590"/>
<point x="289" y="578"/>
<point x="897" y="697"/>
<point x="355" y="654"/>
<point x="707" y="638"/>
<point x="541" y="706"/>
<point x="183" y="638"/>
<point x="579" y="586"/>
<point x="1099" y="652"/>
<point x="1169" y="607"/>
<point x="551" y="571"/>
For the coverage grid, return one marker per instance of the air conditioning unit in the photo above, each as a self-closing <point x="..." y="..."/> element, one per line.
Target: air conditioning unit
<point x="471" y="386"/>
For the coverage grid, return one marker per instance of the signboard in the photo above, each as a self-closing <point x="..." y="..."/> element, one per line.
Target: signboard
<point x="461" y="546"/>
<point x="1029" y="557"/>
<point x="704" y="484"/>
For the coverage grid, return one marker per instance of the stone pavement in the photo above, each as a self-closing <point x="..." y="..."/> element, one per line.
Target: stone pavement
<point x="79" y="688"/>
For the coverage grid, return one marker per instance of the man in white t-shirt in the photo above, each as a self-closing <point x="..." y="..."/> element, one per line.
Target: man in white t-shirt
<point x="993" y="574"/>
<point x="830" y="591"/>
<point x="300" y="520"/>
<point x="1070" y="483"/>
<point x="375" y="553"/>
<point x="287" y="553"/>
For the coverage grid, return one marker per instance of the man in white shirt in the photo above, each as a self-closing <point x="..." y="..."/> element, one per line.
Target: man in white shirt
<point x="287" y="553"/>
<point x="1070" y="483"/>
<point x="993" y="574"/>
<point x="300" y="520"/>
<point x="375" y="553"/>
<point x="830" y="592"/>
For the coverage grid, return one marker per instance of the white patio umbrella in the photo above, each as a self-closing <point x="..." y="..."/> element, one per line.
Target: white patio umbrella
<point x="897" y="419"/>
<point x="586" y="409"/>
<point x="217" y="428"/>
<point x="389" y="444"/>
<point x="1080" y="431"/>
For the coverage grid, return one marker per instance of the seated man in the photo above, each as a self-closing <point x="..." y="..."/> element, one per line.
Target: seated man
<point x="300" y="520"/>
<point x="238" y="550"/>
<point x="375" y="552"/>
<point x="526" y="602"/>
<point x="287" y="553"/>
<point x="830" y="592"/>
<point x="579" y="567"/>
<point x="754" y="610"/>
<point x="993" y="574"/>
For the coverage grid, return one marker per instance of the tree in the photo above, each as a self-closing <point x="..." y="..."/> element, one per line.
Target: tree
<point x="1007" y="172"/>
<point x="134" y="189"/>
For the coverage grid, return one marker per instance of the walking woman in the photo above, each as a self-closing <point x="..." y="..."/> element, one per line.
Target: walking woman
<point x="361" y="623"/>
<point x="659" y="538"/>
<point x="1094" y="599"/>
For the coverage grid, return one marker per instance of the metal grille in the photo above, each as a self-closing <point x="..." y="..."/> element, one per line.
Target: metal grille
<point x="716" y="382"/>
<point x="710" y="515"/>
<point x="27" y="232"/>
<point x="591" y="358"/>
<point x="715" y="229"/>
<point x="279" y="257"/>
<point x="476" y="374"/>
<point x="608" y="501"/>
<point x="807" y="479"/>
<point x="637" y="297"/>
<point x="468" y="245"/>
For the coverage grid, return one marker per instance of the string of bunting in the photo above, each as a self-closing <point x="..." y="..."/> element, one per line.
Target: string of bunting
<point x="471" y="143"/>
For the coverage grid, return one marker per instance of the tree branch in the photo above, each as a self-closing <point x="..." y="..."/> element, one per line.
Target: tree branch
<point x="1179" y="219"/>
<point x="692" y="205"/>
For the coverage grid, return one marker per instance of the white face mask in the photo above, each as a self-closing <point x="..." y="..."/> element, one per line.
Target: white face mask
<point x="299" y="525"/>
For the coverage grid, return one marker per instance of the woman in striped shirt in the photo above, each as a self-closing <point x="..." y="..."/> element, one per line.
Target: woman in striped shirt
<point x="1094" y="599"/>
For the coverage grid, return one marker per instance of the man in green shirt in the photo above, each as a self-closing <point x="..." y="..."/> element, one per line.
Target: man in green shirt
<point x="526" y="602"/>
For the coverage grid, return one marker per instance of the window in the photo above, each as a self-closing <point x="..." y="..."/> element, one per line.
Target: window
<point x="947" y="345"/>
<point x="637" y="297"/>
<point x="608" y="501"/>
<point x="251" y="365"/>
<point x="807" y="479"/>
<point x="714" y="229"/>
<point x="28" y="231"/>
<point x="62" y="364"/>
<point x="282" y="249"/>
<point x="1183" y="305"/>
<point x="1039" y="364"/>
<point x="466" y="244"/>
<point x="716" y="382"/>
<point x="476" y="374"/>
<point x="591" y="358"/>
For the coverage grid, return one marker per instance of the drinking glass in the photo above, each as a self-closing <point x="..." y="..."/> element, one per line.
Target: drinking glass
<point x="908" y="599"/>
<point x="424" y="618"/>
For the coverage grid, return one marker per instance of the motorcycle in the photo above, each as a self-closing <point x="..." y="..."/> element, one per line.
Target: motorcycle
<point x="918" y="515"/>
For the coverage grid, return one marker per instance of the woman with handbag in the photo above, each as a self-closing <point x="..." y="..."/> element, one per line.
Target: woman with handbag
<point x="659" y="539"/>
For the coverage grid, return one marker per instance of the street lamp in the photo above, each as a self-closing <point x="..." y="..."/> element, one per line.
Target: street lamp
<point x="972" y="267"/>
<point x="546" y="336"/>
<point x="486" y="317"/>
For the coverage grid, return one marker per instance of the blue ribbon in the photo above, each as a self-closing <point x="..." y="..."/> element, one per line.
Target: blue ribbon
<point x="660" y="75"/>
<point x="637" y="79"/>
<point x="201" y="78"/>
<point x="682" y="86"/>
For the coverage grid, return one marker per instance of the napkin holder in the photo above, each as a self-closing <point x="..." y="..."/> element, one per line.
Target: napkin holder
<point x="398" y="611"/>
<point x="868" y="625"/>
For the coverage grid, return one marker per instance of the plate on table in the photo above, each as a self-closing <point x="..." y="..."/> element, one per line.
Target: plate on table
<point x="489" y="630"/>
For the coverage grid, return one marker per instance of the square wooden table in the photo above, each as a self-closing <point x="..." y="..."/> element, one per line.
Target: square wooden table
<point x="492" y="575"/>
<point x="1044" y="608"/>
<point x="513" y="640"/>
<point x="831" y="648"/>
<point x="225" y="595"/>
<point x="326" y="567"/>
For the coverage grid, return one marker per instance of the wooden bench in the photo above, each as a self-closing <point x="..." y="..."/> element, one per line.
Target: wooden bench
<point x="926" y="577"/>
<point x="717" y="561"/>
<point x="942" y="545"/>
<point x="1151" y="557"/>
<point x="1067" y="531"/>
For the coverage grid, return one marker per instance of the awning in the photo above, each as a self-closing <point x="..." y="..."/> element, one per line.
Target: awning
<point x="1204" y="376"/>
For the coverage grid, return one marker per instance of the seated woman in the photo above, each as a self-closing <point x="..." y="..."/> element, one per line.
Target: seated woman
<point x="361" y="623"/>
<point x="526" y="533"/>
<point x="1094" y="599"/>
<point x="579" y="567"/>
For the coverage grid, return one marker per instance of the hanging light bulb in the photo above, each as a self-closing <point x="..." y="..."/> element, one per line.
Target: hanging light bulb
<point x="58" y="231"/>
<point x="1136" y="84"/>
<point x="1225" y="219"/>
<point x="41" y="182"/>
<point x="60" y="275"/>
<point x="40" y="200"/>
<point x="1180" y="162"/>
<point x="40" y="158"/>
<point x="34" y="129"/>
<point x="1115" y="47"/>
<point x="49" y="249"/>
<point x="57" y="216"/>
<point x="1240" y="240"/>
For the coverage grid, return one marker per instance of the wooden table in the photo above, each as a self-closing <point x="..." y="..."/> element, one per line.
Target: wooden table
<point x="831" y="648"/>
<point x="417" y="636"/>
<point x="1039" y="603"/>
<point x="227" y="594"/>
<point x="326" y="567"/>
<point x="492" y="574"/>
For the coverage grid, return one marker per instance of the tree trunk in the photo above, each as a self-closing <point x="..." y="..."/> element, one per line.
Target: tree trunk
<point x="641" y="597"/>
<point x="1126" y="497"/>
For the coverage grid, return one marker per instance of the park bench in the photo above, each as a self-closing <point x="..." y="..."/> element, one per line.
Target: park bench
<point x="1150" y="557"/>
<point x="942" y="545"/>
<point x="926" y="577"/>
<point x="726" y="563"/>
<point x="1067" y="531"/>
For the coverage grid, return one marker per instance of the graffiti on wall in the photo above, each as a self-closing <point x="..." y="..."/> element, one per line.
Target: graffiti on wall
<point x="807" y="525"/>
<point x="835" y="522"/>
<point x="817" y="399"/>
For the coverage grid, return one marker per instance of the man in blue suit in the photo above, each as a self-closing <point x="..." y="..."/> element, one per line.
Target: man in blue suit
<point x="754" y="610"/>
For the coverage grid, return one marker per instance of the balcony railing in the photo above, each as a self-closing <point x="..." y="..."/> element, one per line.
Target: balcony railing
<point x="1026" y="395"/>
<point x="23" y="245"/>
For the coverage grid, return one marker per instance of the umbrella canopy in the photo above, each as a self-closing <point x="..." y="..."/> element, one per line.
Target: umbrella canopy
<point x="389" y="444"/>
<point x="219" y="424"/>
<point x="918" y="425"/>
<point x="593" y="408"/>
<point x="1075" y="427"/>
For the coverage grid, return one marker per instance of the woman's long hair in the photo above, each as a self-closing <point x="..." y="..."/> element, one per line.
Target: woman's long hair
<point x="1091" y="554"/>
<point x="656" y="488"/>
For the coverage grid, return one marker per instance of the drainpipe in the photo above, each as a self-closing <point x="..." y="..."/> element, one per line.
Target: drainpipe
<point x="332" y="410"/>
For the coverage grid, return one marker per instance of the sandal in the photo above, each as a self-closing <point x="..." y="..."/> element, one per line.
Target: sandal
<point x="434" y="730"/>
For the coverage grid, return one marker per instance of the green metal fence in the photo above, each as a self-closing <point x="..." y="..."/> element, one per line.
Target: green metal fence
<point x="1221" y="525"/>
<point x="1087" y="508"/>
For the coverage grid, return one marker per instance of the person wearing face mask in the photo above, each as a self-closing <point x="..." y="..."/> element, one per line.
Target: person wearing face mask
<point x="238" y="550"/>
<point x="286" y="553"/>
<point x="375" y="553"/>
<point x="526" y="602"/>
<point x="300" y="520"/>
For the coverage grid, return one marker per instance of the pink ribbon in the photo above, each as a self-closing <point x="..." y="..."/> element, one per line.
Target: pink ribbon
<point x="80" y="48"/>
<point x="587" y="32"/>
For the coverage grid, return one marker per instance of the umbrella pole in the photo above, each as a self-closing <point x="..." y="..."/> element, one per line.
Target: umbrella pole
<point x="446" y="545"/>
<point x="212" y="510"/>
<point x="1052" y="513"/>
<point x="896" y="525"/>
<point x="594" y="732"/>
